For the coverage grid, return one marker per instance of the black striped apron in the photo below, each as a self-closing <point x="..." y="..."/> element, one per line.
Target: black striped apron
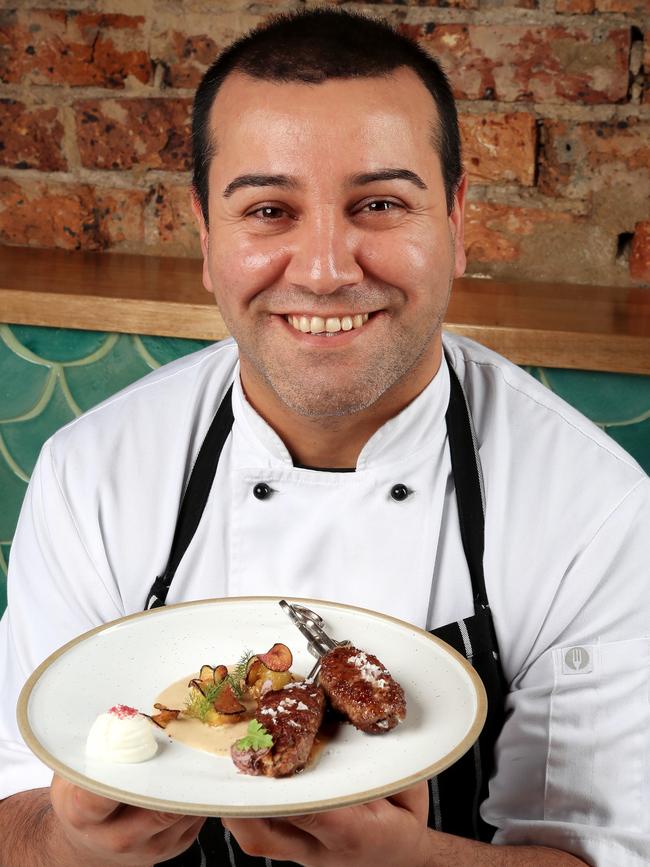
<point x="455" y="795"/>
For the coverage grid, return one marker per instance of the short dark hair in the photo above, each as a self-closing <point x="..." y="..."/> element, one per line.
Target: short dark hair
<point x="312" y="47"/>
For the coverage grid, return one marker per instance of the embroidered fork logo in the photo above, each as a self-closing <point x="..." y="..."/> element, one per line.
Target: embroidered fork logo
<point x="577" y="659"/>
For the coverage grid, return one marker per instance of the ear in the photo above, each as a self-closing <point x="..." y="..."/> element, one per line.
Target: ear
<point x="457" y="228"/>
<point x="204" y="235"/>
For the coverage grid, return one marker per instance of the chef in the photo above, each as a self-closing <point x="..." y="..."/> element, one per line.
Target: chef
<point x="341" y="447"/>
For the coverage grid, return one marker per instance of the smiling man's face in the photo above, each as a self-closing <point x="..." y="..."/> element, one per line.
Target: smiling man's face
<point x="330" y="251"/>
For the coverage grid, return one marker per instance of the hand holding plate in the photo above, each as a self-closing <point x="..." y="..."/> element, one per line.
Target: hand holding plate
<point x="99" y="832"/>
<point x="390" y="831"/>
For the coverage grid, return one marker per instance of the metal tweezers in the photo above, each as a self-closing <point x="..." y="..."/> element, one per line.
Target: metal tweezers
<point x="310" y="625"/>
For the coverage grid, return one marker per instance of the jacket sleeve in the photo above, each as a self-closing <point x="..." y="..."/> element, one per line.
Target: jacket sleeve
<point x="55" y="592"/>
<point x="573" y="762"/>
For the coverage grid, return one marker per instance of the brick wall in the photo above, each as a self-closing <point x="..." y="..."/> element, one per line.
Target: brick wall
<point x="554" y="96"/>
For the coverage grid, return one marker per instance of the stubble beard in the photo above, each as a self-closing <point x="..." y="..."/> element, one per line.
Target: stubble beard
<point x="314" y="392"/>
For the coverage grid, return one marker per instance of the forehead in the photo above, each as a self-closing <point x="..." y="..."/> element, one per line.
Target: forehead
<point x="340" y="122"/>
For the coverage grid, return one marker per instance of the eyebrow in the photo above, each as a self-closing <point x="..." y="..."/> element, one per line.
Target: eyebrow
<point x="362" y="178"/>
<point x="242" y="181"/>
<point x="289" y="183"/>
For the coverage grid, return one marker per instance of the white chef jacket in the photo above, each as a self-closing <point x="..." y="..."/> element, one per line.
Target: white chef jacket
<point x="566" y="565"/>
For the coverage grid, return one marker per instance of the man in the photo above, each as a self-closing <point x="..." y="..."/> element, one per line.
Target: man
<point x="329" y="195"/>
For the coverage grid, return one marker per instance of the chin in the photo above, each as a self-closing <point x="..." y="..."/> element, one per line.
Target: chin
<point x="325" y="402"/>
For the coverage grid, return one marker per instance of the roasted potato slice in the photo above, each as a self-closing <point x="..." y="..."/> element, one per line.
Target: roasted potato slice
<point x="266" y="680"/>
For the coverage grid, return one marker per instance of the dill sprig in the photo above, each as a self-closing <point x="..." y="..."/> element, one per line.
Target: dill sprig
<point x="197" y="705"/>
<point x="213" y="691"/>
<point x="237" y="676"/>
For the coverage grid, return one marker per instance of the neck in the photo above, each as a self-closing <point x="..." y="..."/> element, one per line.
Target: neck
<point x="335" y="441"/>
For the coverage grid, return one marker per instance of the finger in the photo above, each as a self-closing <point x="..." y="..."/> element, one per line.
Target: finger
<point x="172" y="841"/>
<point x="326" y="828"/>
<point x="145" y="833"/>
<point x="344" y="827"/>
<point x="340" y="829"/>
<point x="79" y="806"/>
<point x="415" y="799"/>
<point x="276" y="839"/>
<point x="148" y="823"/>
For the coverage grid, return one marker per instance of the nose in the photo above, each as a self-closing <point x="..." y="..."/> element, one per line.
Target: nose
<point x="324" y="256"/>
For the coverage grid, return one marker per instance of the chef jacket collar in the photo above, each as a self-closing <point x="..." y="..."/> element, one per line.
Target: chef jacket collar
<point x="404" y="434"/>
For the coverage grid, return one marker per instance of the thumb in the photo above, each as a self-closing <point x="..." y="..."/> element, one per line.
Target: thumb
<point x="414" y="799"/>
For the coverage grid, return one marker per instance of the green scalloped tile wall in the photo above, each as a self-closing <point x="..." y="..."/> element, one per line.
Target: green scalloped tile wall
<point x="48" y="376"/>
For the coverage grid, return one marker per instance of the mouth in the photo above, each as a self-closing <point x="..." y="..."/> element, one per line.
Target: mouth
<point x="329" y="325"/>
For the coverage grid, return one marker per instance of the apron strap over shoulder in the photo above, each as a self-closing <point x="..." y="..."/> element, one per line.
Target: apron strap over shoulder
<point x="465" y="465"/>
<point x="195" y="497"/>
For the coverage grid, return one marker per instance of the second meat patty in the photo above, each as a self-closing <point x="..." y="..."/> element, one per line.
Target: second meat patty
<point x="358" y="686"/>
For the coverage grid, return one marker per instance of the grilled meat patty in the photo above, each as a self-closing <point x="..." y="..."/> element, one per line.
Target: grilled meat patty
<point x="292" y="716"/>
<point x="358" y="686"/>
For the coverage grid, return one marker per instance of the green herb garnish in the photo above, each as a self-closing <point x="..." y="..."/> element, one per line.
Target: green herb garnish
<point x="197" y="705"/>
<point x="257" y="738"/>
<point x="237" y="676"/>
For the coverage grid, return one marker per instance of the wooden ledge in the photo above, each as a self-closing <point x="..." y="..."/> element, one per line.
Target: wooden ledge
<point x="546" y="324"/>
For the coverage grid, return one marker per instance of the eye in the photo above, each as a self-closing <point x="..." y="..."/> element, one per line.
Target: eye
<point x="380" y="206"/>
<point x="269" y="213"/>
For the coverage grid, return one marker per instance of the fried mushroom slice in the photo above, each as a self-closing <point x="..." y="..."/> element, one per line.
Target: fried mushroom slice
<point x="164" y="717"/>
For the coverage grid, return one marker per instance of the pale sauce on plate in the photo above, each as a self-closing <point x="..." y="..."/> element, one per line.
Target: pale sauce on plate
<point x="196" y="734"/>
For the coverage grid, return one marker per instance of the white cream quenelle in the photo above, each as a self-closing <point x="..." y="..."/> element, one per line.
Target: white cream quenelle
<point x="121" y="735"/>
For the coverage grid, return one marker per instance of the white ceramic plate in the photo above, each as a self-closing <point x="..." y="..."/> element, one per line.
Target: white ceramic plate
<point x="130" y="661"/>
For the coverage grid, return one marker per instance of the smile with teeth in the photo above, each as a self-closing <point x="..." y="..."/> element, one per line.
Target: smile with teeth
<point x="329" y="325"/>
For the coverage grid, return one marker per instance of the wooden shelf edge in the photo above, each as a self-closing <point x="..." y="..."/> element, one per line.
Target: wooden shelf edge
<point x="563" y="349"/>
<point x="128" y="316"/>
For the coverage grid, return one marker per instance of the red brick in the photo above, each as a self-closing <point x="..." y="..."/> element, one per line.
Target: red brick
<point x="499" y="147"/>
<point x="173" y="227"/>
<point x="579" y="158"/>
<point x="75" y="48"/>
<point x="630" y="7"/>
<point x="544" y="64"/>
<point x="640" y="252"/>
<point x="495" y="233"/>
<point x="149" y="133"/>
<point x="509" y="4"/>
<point x="120" y="217"/>
<point x="579" y="7"/>
<point x="185" y="57"/>
<point x="30" y="138"/>
<point x="72" y="216"/>
<point x="186" y="45"/>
